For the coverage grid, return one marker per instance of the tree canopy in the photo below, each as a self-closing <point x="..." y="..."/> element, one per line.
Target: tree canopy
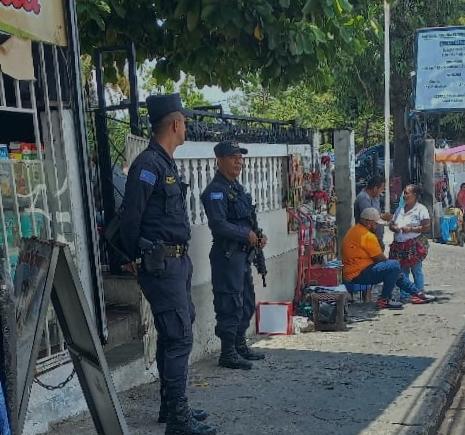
<point x="220" y="42"/>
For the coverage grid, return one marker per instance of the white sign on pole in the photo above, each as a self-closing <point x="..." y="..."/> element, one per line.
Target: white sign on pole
<point x="440" y="73"/>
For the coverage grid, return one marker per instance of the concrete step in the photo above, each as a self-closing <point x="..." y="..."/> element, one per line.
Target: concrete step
<point x="121" y="290"/>
<point x="123" y="325"/>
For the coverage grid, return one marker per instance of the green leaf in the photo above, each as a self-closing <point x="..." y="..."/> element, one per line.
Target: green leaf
<point x="308" y="43"/>
<point x="207" y="11"/>
<point x="375" y="26"/>
<point x="342" y="6"/>
<point x="284" y="3"/>
<point x="317" y="33"/>
<point x="103" y="6"/>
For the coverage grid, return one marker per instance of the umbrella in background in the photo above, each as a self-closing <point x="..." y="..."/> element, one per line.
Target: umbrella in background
<point x="451" y="155"/>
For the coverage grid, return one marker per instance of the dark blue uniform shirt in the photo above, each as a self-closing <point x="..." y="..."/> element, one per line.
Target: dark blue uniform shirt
<point x="154" y="205"/>
<point x="228" y="209"/>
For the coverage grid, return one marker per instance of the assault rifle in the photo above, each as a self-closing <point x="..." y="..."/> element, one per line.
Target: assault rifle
<point x="258" y="256"/>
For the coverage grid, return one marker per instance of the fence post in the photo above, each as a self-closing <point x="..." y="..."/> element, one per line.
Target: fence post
<point x="344" y="149"/>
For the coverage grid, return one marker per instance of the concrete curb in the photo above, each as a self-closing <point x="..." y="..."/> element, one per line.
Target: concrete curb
<point x="435" y="400"/>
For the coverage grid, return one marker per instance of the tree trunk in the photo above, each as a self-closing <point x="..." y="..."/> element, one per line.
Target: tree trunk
<point x="401" y="145"/>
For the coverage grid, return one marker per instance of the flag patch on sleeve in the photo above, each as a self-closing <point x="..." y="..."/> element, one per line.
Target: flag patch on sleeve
<point x="147" y="177"/>
<point x="216" y="195"/>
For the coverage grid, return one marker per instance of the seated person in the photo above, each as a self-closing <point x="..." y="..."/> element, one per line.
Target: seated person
<point x="460" y="201"/>
<point x="365" y="263"/>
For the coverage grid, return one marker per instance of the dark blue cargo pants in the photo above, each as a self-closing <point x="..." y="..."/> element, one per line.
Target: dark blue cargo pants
<point x="170" y="299"/>
<point x="233" y="293"/>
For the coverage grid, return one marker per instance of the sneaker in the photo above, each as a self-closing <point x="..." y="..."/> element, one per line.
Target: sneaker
<point x="386" y="304"/>
<point x="417" y="300"/>
<point x="425" y="297"/>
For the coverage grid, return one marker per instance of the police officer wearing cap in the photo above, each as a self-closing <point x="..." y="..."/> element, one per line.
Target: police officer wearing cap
<point x="155" y="228"/>
<point x="229" y="209"/>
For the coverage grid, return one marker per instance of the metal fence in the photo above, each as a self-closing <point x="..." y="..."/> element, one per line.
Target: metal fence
<point x="34" y="193"/>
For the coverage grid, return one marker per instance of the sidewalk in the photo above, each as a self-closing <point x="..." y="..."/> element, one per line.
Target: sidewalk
<point x="390" y="373"/>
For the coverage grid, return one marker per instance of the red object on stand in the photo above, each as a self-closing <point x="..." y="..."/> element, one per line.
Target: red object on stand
<point x="308" y="273"/>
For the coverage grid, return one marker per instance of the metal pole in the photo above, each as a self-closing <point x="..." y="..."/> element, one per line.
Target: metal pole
<point x="134" y="92"/>
<point x="88" y="197"/>
<point x="387" y="105"/>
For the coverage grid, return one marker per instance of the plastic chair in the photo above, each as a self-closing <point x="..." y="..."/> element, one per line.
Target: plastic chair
<point x="364" y="291"/>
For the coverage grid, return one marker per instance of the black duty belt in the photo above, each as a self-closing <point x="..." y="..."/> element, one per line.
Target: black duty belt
<point x="175" y="250"/>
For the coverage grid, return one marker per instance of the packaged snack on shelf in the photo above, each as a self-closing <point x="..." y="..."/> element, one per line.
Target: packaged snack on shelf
<point x="11" y="229"/>
<point x="27" y="223"/>
<point x="15" y="155"/>
<point x="20" y="171"/>
<point x="35" y="173"/>
<point x="6" y="188"/>
<point x="29" y="155"/>
<point x="3" y="151"/>
<point x="15" y="147"/>
<point x="29" y="147"/>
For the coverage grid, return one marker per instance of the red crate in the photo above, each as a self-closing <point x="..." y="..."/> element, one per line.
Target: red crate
<point x="324" y="276"/>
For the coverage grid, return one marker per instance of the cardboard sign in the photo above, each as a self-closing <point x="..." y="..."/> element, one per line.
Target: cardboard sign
<point x="39" y="20"/>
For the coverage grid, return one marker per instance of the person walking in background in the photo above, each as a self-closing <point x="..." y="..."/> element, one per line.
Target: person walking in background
<point x="410" y="246"/>
<point x="369" y="197"/>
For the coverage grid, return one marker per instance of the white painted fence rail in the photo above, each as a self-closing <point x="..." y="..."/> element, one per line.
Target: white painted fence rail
<point x="263" y="175"/>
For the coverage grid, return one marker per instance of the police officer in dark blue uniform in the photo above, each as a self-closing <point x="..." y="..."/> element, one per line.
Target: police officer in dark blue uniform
<point x="229" y="209"/>
<point x="155" y="228"/>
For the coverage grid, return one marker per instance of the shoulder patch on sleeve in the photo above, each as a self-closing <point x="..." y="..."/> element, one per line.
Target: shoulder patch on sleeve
<point x="148" y="177"/>
<point x="216" y="195"/>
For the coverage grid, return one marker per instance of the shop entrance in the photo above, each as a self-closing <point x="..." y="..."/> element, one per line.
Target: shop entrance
<point x="43" y="182"/>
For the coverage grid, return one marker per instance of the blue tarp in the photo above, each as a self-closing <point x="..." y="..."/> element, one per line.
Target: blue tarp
<point x="446" y="225"/>
<point x="4" y="424"/>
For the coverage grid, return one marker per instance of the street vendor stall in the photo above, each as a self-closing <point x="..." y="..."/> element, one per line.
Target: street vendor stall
<point x="449" y="175"/>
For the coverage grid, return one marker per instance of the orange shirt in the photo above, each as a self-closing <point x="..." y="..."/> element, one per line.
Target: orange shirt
<point x="359" y="247"/>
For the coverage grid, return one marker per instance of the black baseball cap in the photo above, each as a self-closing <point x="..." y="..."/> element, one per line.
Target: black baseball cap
<point x="159" y="106"/>
<point x="228" y="148"/>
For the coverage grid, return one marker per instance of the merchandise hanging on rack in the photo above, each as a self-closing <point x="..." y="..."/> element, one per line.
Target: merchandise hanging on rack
<point x="317" y="250"/>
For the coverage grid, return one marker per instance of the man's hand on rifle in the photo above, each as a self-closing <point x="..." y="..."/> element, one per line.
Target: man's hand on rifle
<point x="262" y="241"/>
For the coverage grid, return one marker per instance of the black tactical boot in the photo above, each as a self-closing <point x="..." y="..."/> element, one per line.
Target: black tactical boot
<point x="180" y="421"/>
<point x="198" y="414"/>
<point x="246" y="352"/>
<point x="230" y="359"/>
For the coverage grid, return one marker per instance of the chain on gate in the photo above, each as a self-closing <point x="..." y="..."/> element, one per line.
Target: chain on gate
<point x="58" y="386"/>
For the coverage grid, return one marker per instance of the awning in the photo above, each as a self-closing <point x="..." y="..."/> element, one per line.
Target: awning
<point x="451" y="155"/>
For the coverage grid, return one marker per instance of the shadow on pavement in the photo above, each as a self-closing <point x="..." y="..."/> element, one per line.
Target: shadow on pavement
<point x="303" y="392"/>
<point x="291" y="392"/>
